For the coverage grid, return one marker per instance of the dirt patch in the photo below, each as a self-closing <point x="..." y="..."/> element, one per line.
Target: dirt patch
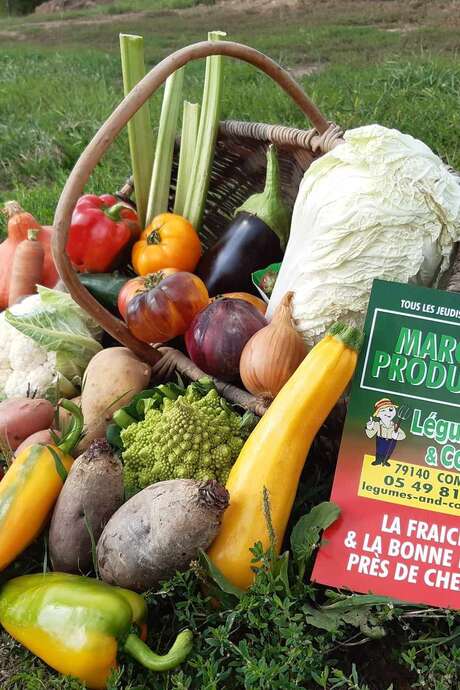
<point x="12" y="35"/>
<point x="394" y="17"/>
<point x="98" y="19"/>
<point x="407" y="28"/>
<point x="60" y="5"/>
<point x="51" y="6"/>
<point x="233" y="7"/>
<point x="307" y="69"/>
<point x="268" y="6"/>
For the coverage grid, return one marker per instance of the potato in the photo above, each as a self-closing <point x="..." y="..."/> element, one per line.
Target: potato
<point x="111" y="379"/>
<point x="94" y="488"/>
<point x="22" y="417"/>
<point x="39" y="437"/>
<point x="159" y="531"/>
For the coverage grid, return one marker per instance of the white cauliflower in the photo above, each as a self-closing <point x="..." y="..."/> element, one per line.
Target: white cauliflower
<point x="25" y="367"/>
<point x="43" y="340"/>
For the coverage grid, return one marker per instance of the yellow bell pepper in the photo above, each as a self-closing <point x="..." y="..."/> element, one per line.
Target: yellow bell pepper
<point x="77" y="625"/>
<point x="170" y="241"/>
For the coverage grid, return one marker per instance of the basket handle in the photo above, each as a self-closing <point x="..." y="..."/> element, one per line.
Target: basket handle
<point x="109" y="131"/>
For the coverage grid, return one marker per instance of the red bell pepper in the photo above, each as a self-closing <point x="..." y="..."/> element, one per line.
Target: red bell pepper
<point x="102" y="228"/>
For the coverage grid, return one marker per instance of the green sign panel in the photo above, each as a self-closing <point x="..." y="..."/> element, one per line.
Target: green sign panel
<point x="412" y="347"/>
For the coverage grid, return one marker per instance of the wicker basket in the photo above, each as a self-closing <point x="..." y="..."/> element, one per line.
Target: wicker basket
<point x="238" y="171"/>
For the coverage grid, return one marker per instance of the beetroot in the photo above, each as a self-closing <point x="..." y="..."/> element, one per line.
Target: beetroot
<point x="159" y="531"/>
<point x="218" y="334"/>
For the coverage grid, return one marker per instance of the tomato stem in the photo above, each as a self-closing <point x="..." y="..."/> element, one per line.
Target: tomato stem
<point x="154" y="237"/>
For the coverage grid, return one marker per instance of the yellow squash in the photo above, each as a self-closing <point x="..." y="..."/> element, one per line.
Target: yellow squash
<point x="275" y="453"/>
<point x="30" y="488"/>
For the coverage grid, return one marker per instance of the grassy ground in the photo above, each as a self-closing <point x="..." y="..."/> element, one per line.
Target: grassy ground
<point x="383" y="61"/>
<point x="377" y="62"/>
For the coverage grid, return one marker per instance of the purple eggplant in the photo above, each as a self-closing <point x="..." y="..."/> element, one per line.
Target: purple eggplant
<point x="255" y="238"/>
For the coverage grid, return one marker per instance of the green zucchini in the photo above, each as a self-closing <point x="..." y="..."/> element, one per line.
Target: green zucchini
<point x="104" y="287"/>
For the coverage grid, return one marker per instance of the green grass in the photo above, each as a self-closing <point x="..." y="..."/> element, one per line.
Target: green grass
<point x="53" y="103"/>
<point x="60" y="78"/>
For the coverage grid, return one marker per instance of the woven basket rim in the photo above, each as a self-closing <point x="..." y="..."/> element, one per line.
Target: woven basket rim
<point x="282" y="136"/>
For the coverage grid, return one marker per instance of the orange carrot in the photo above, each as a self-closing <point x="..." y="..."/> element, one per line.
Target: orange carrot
<point x="27" y="268"/>
<point x="19" y="222"/>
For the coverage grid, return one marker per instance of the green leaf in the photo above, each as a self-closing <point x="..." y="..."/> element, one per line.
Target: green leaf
<point x="45" y="554"/>
<point x="220" y="579"/>
<point x="60" y="469"/>
<point x="248" y="422"/>
<point x="436" y="641"/>
<point x="93" y="543"/>
<point x="203" y="385"/>
<point x="113" y="435"/>
<point x="152" y="398"/>
<point x="305" y="535"/>
<point x="280" y="569"/>
<point x="344" y="600"/>
<point x="58" y="324"/>
<point x="360" y="611"/>
<point x="62" y="301"/>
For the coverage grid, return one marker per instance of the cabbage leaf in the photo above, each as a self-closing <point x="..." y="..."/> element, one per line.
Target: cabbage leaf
<point x="58" y="324"/>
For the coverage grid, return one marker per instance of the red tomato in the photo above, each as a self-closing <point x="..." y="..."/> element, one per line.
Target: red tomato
<point x="136" y="286"/>
<point x="167" y="310"/>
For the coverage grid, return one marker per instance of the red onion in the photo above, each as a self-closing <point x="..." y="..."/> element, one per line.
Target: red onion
<point x="218" y="334"/>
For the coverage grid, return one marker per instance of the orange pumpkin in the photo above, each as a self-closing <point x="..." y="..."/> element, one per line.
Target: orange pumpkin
<point x="247" y="297"/>
<point x="169" y="240"/>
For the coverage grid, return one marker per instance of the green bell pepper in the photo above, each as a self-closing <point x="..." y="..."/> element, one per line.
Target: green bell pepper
<point x="77" y="625"/>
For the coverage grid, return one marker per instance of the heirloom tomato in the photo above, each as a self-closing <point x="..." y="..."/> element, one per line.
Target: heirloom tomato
<point x="167" y="310"/>
<point x="140" y="284"/>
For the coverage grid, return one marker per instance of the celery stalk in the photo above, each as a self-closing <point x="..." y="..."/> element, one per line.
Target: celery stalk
<point x="190" y="119"/>
<point x="162" y="165"/>
<point x="207" y="134"/>
<point x="140" y="134"/>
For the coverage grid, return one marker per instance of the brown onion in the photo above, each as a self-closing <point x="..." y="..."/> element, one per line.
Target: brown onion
<point x="272" y="355"/>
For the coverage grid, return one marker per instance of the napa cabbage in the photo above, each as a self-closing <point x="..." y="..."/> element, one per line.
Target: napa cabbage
<point x="381" y="205"/>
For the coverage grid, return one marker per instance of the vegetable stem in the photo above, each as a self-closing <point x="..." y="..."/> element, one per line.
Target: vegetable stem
<point x="149" y="659"/>
<point x="114" y="212"/>
<point x="269" y="205"/>
<point x="70" y="440"/>
<point x="140" y="133"/>
<point x="207" y="134"/>
<point x="349" y="335"/>
<point x="162" y="165"/>
<point x="123" y="419"/>
<point x="32" y="234"/>
<point x="190" y="121"/>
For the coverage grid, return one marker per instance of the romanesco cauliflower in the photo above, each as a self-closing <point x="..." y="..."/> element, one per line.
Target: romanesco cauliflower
<point x="192" y="437"/>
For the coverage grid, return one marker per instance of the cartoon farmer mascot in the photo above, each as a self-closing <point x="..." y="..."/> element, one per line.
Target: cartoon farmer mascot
<point x="386" y="431"/>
